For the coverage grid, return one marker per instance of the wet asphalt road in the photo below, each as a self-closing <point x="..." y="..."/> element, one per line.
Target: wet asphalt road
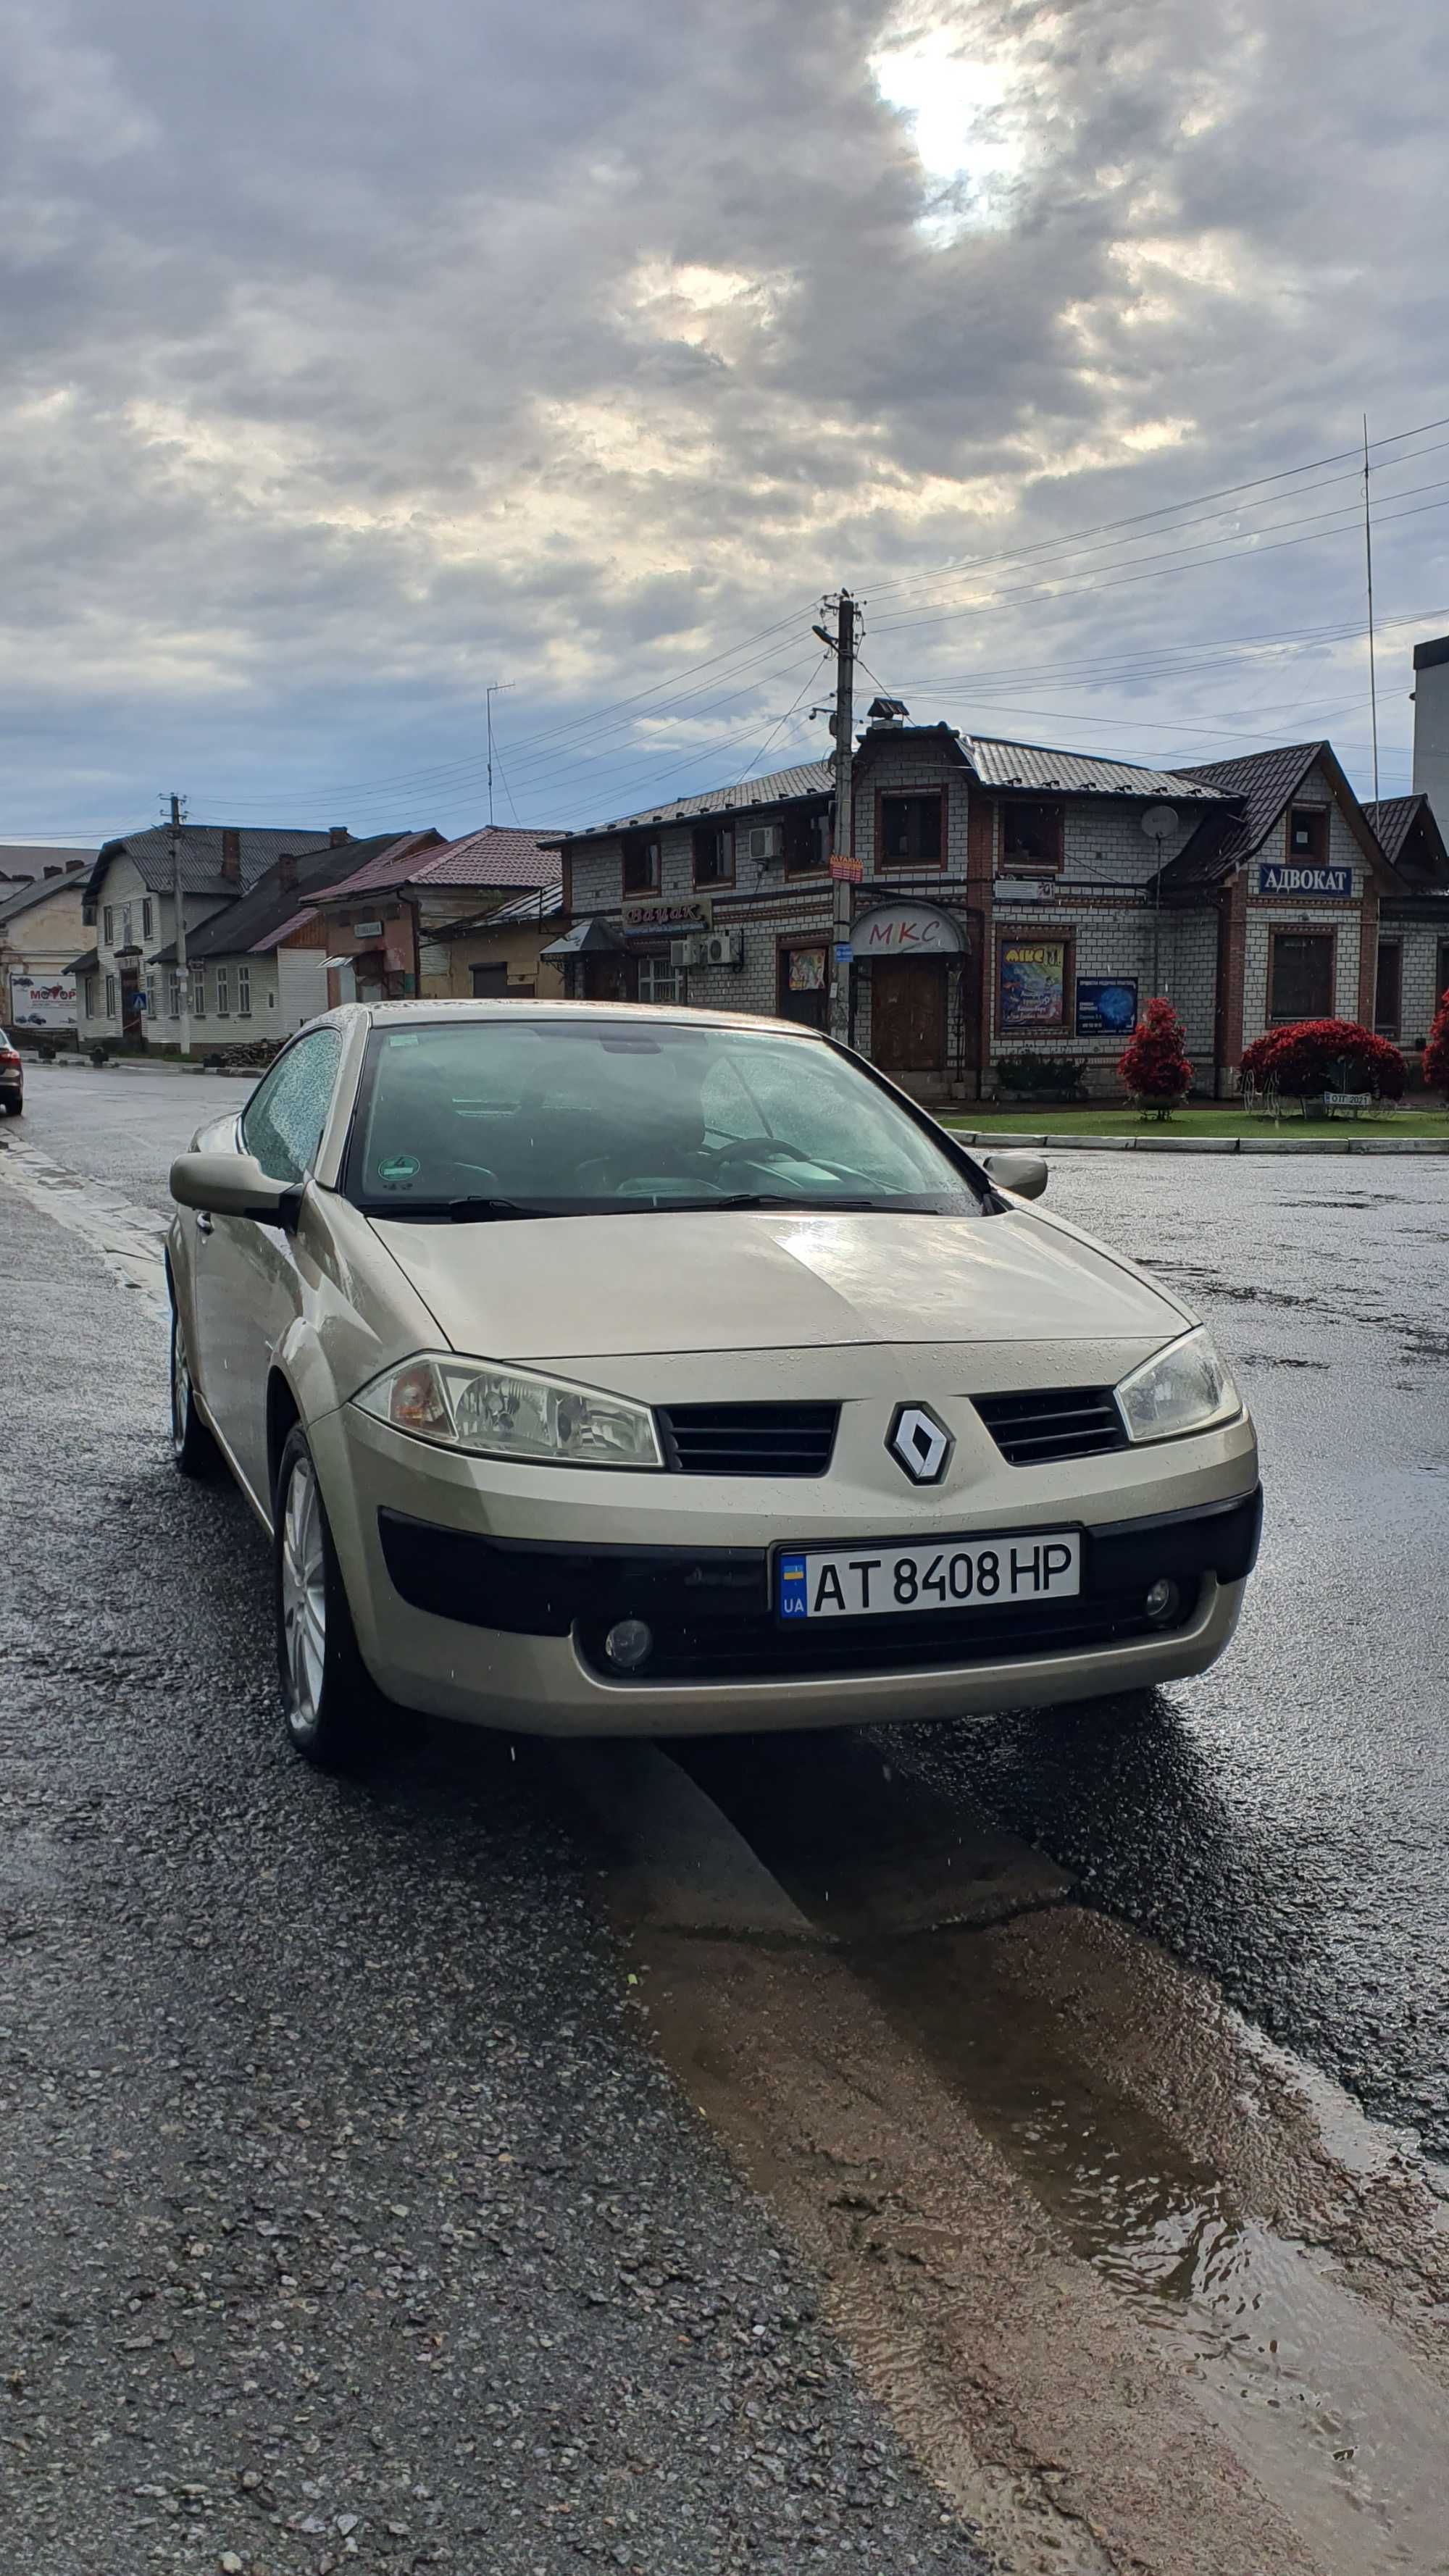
<point x="346" y="2217"/>
<point x="1283" y="1821"/>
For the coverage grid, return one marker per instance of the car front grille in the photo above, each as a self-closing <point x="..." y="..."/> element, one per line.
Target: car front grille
<point x="1053" y="1422"/>
<point x="749" y="1439"/>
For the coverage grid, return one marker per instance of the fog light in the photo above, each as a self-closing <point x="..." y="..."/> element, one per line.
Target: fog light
<point x="629" y="1643"/>
<point x="1161" y="1601"/>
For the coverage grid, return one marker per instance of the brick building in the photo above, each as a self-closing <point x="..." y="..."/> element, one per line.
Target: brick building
<point x="1018" y="903"/>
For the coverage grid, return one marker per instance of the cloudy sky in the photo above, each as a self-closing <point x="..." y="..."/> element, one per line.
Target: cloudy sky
<point x="352" y="358"/>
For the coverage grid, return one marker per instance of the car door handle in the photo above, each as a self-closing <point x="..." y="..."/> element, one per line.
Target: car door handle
<point x="203" y="1222"/>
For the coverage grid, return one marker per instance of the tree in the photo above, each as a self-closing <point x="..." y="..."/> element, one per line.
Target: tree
<point x="1326" y="1055"/>
<point x="1154" y="1063"/>
<point x="1436" y="1053"/>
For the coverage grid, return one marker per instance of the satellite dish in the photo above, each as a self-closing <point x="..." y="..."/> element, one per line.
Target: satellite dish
<point x="1158" y="821"/>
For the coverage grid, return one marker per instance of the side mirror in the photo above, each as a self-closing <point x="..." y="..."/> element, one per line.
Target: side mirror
<point x="233" y="1185"/>
<point x="1025" y="1175"/>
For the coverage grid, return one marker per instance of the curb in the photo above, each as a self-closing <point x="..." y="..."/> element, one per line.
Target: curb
<point x="991" y="1139"/>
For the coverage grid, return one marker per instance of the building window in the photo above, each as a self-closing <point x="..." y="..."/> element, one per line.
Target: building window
<point x="108" y="925"/>
<point x="1031" y="839"/>
<point x="150" y="997"/>
<point x="1388" y="988"/>
<point x="807" y="843"/>
<point x="659" y="981"/>
<point x="910" y="830"/>
<point x="223" y="994"/>
<point x="126" y="941"/>
<point x="714" y="854"/>
<point x="110" y="997"/>
<point x="244" y="992"/>
<point x="641" y="863"/>
<point x="146" y="917"/>
<point x="1300" y="975"/>
<point x="198" y="992"/>
<point x="1308" y="835"/>
<point x="90" y="997"/>
<point x="173" y="997"/>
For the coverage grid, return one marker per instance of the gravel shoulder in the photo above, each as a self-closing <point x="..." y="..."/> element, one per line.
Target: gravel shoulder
<point x="346" y="2216"/>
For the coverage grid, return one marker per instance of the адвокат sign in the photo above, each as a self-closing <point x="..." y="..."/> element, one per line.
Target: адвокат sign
<point x="1275" y="877"/>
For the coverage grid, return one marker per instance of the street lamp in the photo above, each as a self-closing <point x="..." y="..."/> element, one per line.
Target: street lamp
<point x="1157" y="823"/>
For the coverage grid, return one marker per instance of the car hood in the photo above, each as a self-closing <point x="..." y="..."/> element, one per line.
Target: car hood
<point x="751" y="1281"/>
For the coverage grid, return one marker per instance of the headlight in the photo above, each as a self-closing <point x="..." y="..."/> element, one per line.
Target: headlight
<point x="497" y="1412"/>
<point x="1185" y="1388"/>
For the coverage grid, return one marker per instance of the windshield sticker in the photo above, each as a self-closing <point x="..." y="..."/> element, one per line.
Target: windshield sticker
<point x="399" y="1168"/>
<point x="404" y="1037"/>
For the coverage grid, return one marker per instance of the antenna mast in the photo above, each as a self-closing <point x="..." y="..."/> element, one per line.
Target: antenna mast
<point x="1368" y="551"/>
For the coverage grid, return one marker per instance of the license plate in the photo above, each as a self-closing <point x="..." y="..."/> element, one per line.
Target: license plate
<point x="946" y="1574"/>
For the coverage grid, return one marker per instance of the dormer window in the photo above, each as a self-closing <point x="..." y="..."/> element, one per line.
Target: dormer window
<point x="1308" y="836"/>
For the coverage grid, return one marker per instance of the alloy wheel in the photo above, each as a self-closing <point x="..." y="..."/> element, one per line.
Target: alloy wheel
<point x="304" y="1596"/>
<point x="180" y="1387"/>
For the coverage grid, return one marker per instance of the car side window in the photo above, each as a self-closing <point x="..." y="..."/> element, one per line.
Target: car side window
<point x="283" y="1120"/>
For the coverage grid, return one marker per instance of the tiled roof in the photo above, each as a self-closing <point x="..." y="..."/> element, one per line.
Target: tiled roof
<point x="1000" y="763"/>
<point x="1393" y="819"/>
<point x="201" y="852"/>
<point x="495" y="856"/>
<point x="1264" y="779"/>
<point x="242" y="929"/>
<point x="777" y="787"/>
<point x="20" y="898"/>
<point x="23" y="859"/>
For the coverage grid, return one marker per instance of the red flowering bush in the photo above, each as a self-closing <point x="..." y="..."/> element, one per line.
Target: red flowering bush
<point x="1436" y="1053"/>
<point x="1325" y="1055"/>
<point x="1154" y="1064"/>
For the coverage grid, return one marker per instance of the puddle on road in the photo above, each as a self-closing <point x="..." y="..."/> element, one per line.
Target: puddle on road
<point x="1335" y="2417"/>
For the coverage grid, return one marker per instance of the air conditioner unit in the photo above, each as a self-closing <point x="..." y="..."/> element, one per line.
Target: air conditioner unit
<point x="723" y="948"/>
<point x="690" y="952"/>
<point x="760" y="841"/>
<point x="679" y="953"/>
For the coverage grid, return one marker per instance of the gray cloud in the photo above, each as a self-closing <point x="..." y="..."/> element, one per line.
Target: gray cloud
<point x="352" y="359"/>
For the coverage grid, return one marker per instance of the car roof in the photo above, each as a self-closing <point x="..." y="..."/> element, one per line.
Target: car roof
<point x="392" y="1015"/>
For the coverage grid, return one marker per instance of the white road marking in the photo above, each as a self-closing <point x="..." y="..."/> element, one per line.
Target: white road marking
<point x="129" y="1242"/>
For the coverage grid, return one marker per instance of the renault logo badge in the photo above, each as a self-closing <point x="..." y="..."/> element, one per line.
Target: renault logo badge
<point x="920" y="1443"/>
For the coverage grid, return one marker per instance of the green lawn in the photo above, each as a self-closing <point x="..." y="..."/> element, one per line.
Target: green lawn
<point x="1034" y="1120"/>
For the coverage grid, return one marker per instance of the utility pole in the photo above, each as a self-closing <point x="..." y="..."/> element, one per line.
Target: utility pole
<point x="178" y="903"/>
<point x="494" y="689"/>
<point x="843" y="889"/>
<point x="1368" y="549"/>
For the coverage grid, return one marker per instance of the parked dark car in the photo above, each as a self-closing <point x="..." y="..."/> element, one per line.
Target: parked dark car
<point x="12" y="1077"/>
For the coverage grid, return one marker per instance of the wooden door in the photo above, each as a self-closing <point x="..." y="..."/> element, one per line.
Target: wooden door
<point x="908" y="1016"/>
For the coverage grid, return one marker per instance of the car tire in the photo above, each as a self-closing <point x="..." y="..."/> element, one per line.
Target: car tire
<point x="335" y="1714"/>
<point x="192" y="1445"/>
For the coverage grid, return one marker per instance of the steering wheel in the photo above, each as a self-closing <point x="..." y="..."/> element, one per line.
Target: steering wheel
<point x="755" y="1149"/>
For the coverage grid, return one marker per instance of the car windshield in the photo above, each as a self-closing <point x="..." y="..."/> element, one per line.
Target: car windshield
<point x="537" y="1115"/>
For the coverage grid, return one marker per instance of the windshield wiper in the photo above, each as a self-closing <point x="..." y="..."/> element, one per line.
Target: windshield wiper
<point x="770" y="1199"/>
<point x="478" y="1211"/>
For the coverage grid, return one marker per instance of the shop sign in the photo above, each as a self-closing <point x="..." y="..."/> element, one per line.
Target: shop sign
<point x="907" y="930"/>
<point x="1106" y="1006"/>
<point x="1275" y="877"/>
<point x="366" y="929"/>
<point x="664" y="917"/>
<point x="1032" y="984"/>
<point x="846" y="871"/>
<point x="42" y="1001"/>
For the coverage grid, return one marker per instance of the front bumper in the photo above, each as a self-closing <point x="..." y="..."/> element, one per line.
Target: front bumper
<point x="505" y="1626"/>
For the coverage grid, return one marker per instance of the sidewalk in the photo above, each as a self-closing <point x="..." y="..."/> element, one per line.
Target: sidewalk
<point x="1341" y="1142"/>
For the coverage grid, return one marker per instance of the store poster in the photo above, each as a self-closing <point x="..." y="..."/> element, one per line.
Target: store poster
<point x="1032" y="975"/>
<point x="1106" y="1006"/>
